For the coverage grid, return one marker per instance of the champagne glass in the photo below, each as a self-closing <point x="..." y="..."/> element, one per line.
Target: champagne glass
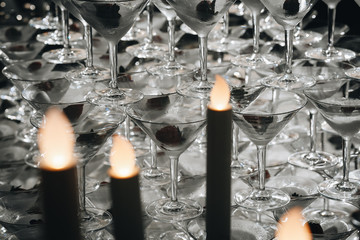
<point x="90" y="72"/>
<point x="201" y="16"/>
<point x="261" y="121"/>
<point x="171" y="67"/>
<point x="339" y="104"/>
<point x="255" y="60"/>
<point x="173" y="125"/>
<point x="288" y="13"/>
<point x="330" y="53"/>
<point x="65" y="54"/>
<point x="112" y="19"/>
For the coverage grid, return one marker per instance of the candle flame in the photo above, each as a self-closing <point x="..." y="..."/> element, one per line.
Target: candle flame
<point x="56" y="141"/>
<point x="122" y="158"/>
<point x="293" y="226"/>
<point x="220" y="94"/>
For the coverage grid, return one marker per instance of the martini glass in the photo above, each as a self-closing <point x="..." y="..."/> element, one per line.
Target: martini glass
<point x="173" y="125"/>
<point x="330" y="53"/>
<point x="112" y="19"/>
<point x="339" y="104"/>
<point x="255" y="60"/>
<point x="90" y="72"/>
<point x="261" y="121"/>
<point x="201" y="16"/>
<point x="171" y="67"/>
<point x="148" y="49"/>
<point x="241" y="97"/>
<point x="288" y="14"/>
<point x="65" y="54"/>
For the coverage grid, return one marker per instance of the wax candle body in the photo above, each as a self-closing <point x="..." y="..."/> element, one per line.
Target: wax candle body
<point x="218" y="175"/>
<point x="126" y="208"/>
<point x="61" y="204"/>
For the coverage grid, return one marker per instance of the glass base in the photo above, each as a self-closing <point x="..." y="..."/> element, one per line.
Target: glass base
<point x="196" y="89"/>
<point x="93" y="219"/>
<point x="339" y="190"/>
<point x="288" y="81"/>
<point x="336" y="55"/>
<point x="321" y="215"/>
<point x="15" y="114"/>
<point x="27" y="134"/>
<point x="175" y="235"/>
<point x="169" y="211"/>
<point x="227" y="45"/>
<point x="52" y="38"/>
<point x="134" y="34"/>
<point x="256" y="200"/>
<point x="64" y="56"/>
<point x="148" y="50"/>
<point x="313" y="160"/>
<point x="303" y="37"/>
<point x="256" y="60"/>
<point x="155" y="176"/>
<point x="104" y="96"/>
<point x="84" y="76"/>
<point x="354" y="73"/>
<point x="46" y="23"/>
<point x="171" y="69"/>
<point x="243" y="168"/>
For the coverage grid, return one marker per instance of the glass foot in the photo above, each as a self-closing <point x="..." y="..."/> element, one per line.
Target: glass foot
<point x="93" y="219"/>
<point x="313" y="160"/>
<point x="340" y="190"/>
<point x="46" y="23"/>
<point x="320" y="214"/>
<point x="147" y="50"/>
<point x="63" y="55"/>
<point x="243" y="168"/>
<point x="105" y="96"/>
<point x="27" y="134"/>
<point x="256" y="200"/>
<point x="335" y="55"/>
<point x="354" y="73"/>
<point x="256" y="60"/>
<point x="171" y="69"/>
<point x="56" y="38"/>
<point x="155" y="176"/>
<point x="196" y="89"/>
<point x="84" y="76"/>
<point x="175" y="235"/>
<point x="174" y="211"/>
<point x="288" y="81"/>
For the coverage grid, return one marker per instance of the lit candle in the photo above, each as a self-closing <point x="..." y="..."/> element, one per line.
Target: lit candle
<point x="125" y="191"/>
<point x="59" y="177"/>
<point x="293" y="226"/>
<point x="218" y="175"/>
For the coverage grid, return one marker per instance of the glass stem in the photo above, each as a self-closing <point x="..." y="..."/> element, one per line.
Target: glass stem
<point x="153" y="151"/>
<point x="289" y="37"/>
<point x="171" y="32"/>
<point x="127" y="127"/>
<point x="65" y="27"/>
<point x="346" y="142"/>
<point x="149" y="27"/>
<point x="203" y="57"/>
<point x="256" y="35"/>
<point x="82" y="186"/>
<point x="261" y="156"/>
<point x="89" y="45"/>
<point x="225" y="25"/>
<point x="313" y="136"/>
<point x="113" y="64"/>
<point x="331" y="28"/>
<point x="174" y="162"/>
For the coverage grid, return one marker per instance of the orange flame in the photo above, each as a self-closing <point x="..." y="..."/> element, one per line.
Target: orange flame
<point x="220" y="94"/>
<point x="56" y="141"/>
<point x="293" y="226"/>
<point x="122" y="158"/>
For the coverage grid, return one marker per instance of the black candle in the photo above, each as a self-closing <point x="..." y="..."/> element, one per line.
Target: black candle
<point x="59" y="178"/>
<point x="218" y="175"/>
<point x="125" y="191"/>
